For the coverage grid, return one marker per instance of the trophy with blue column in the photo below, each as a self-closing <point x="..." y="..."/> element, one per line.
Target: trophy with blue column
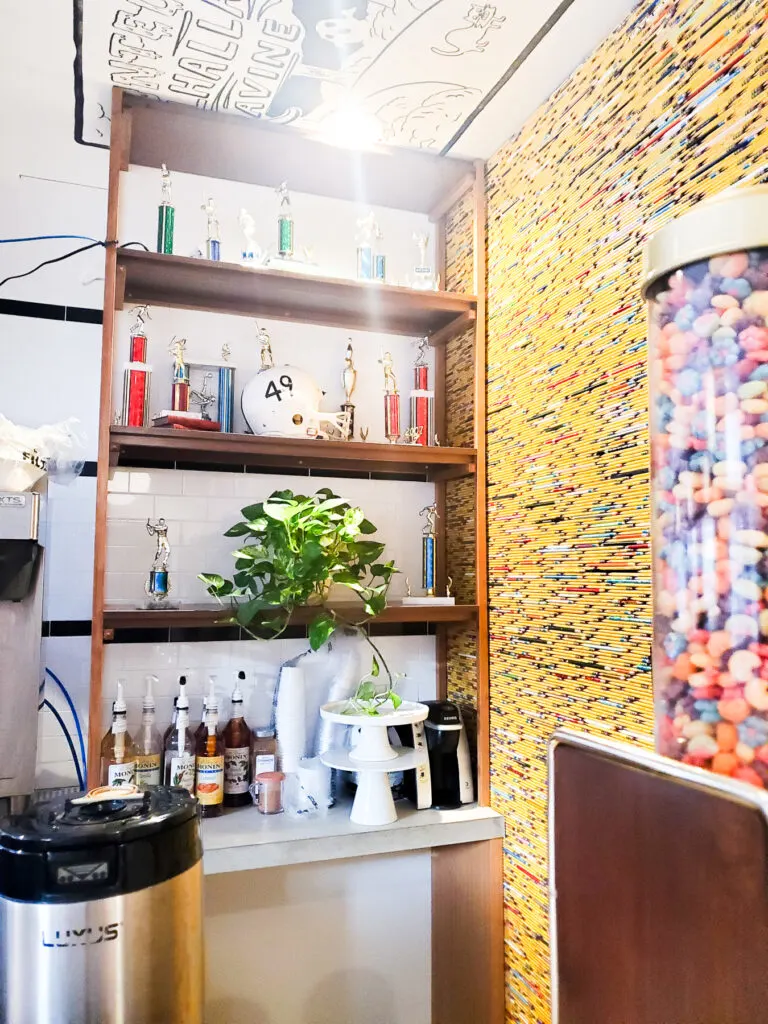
<point x="429" y="550"/>
<point x="212" y="240"/>
<point x="158" y="585"/>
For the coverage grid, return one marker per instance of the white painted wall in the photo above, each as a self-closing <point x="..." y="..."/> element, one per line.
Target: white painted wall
<point x="346" y="942"/>
<point x="50" y="371"/>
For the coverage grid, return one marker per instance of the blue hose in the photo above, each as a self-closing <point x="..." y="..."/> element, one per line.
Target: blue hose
<point x="68" y="699"/>
<point x="73" y="752"/>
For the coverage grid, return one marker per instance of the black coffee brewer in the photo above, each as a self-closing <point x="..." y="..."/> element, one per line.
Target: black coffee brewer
<point x="450" y="765"/>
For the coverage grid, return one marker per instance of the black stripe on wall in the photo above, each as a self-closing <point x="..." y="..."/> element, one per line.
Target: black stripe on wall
<point x="48" y="311"/>
<point x="212" y="634"/>
<point x="67" y="627"/>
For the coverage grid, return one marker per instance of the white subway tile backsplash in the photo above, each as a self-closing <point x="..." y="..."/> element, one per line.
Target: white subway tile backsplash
<point x="158" y="481"/>
<point x="200" y="534"/>
<point x="133" y="533"/>
<point x="178" y="508"/>
<point x="119" y="481"/>
<point x="261" y="660"/>
<point x="131" y="506"/>
<point x="126" y="588"/>
<point x="207" y="485"/>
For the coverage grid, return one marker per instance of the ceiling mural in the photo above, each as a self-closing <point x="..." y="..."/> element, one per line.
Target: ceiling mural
<point x="407" y="71"/>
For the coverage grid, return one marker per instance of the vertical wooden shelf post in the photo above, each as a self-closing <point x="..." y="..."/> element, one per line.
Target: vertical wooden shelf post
<point x="119" y="149"/>
<point x="481" y="511"/>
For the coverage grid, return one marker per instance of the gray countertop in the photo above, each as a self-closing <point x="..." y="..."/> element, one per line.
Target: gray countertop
<point x="243" y="839"/>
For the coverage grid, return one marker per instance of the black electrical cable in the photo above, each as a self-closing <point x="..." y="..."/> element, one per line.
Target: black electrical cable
<point x="66" y="256"/>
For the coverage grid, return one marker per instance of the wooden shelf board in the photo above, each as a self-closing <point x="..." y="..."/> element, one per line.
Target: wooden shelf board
<point x="185" y="283"/>
<point x="202" y="616"/>
<point x="240" y="148"/>
<point x="163" y="444"/>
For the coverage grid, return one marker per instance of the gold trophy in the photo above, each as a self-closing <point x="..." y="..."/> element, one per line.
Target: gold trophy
<point x="349" y="380"/>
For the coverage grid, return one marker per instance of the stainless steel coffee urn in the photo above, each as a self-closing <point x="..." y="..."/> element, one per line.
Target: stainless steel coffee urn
<point x="101" y="912"/>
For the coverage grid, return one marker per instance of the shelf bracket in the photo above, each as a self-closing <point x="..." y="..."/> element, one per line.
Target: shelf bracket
<point x="451" y="330"/>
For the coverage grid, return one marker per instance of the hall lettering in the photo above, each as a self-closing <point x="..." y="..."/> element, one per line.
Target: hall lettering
<point x="234" y="30"/>
<point x="228" y="53"/>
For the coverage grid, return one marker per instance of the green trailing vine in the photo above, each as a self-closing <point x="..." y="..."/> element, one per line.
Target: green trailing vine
<point x="295" y="549"/>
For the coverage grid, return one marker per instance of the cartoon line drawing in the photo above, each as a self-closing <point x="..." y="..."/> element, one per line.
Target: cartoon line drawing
<point x="472" y="38"/>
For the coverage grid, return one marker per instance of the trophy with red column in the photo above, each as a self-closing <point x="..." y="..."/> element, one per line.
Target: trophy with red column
<point x="422" y="400"/>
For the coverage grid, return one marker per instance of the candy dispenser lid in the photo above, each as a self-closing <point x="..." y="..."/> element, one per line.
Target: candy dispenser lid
<point x="734" y="220"/>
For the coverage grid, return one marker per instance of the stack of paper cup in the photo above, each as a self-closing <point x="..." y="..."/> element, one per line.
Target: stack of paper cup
<point x="291" y="718"/>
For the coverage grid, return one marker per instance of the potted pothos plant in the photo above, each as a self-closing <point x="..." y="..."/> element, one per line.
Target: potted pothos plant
<point x="295" y="549"/>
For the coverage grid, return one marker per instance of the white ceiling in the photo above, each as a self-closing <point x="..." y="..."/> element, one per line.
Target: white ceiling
<point x="410" y="72"/>
<point x="565" y="45"/>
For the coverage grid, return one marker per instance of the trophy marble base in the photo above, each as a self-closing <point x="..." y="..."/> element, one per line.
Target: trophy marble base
<point x="292" y="265"/>
<point x="159" y="606"/>
<point x="426" y="600"/>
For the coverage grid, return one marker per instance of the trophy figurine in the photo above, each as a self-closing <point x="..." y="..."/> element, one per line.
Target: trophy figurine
<point x="212" y="242"/>
<point x="284" y="224"/>
<point x="348" y="380"/>
<point x="180" y="389"/>
<point x="367" y="231"/>
<point x="157" y="586"/>
<point x="267" y="359"/>
<point x="428" y="550"/>
<point x="165" y="215"/>
<point x="252" y="255"/>
<point x="391" y="401"/>
<point x="424" y="278"/>
<point x="203" y="396"/>
<point x="136" y="374"/>
<point x="422" y="398"/>
<point x="226" y="390"/>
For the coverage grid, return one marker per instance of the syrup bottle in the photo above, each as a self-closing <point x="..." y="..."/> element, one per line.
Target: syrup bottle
<point x="148" y="743"/>
<point x="202" y="730"/>
<point x="172" y="727"/>
<point x="179" y="769"/>
<point x="209" y="771"/>
<point x="118" y="756"/>
<point x="237" y="752"/>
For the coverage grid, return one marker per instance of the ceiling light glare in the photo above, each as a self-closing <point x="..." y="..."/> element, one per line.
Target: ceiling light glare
<point x="351" y="127"/>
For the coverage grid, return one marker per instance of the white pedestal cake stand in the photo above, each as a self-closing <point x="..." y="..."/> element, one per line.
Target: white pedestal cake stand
<point x="373" y="757"/>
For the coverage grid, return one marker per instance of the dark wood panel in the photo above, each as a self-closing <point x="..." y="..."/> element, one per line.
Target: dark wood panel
<point x="481" y="496"/>
<point x="208" y="615"/>
<point x="238" y="148"/>
<point x="468" y="934"/>
<point x="158" y="444"/>
<point x="179" y="281"/>
<point x="662" y="906"/>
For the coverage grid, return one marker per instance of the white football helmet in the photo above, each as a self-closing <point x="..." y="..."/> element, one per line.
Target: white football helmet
<point x="284" y="401"/>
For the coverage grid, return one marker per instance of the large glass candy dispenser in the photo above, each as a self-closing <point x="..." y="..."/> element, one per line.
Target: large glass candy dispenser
<point x="707" y="289"/>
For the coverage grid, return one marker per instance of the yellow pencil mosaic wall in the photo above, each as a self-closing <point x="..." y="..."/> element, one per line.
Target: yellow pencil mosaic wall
<point x="461" y="652"/>
<point x="671" y="108"/>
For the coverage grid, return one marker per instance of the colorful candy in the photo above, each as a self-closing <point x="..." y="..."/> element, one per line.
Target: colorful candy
<point x="710" y="469"/>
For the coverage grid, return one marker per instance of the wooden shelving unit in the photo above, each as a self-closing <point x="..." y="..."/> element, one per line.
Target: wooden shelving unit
<point x="152" y="445"/>
<point x="198" y="142"/>
<point x="160" y="280"/>
<point x="206" y="616"/>
<point x="466" y="879"/>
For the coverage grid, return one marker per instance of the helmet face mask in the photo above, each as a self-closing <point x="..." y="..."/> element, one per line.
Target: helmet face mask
<point x="284" y="401"/>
